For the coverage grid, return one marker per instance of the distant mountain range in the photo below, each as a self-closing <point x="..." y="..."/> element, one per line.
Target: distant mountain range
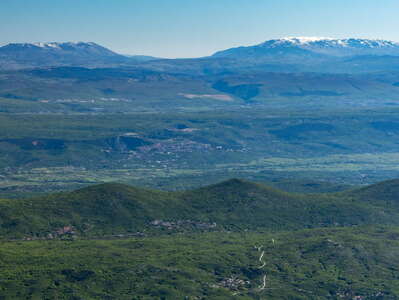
<point x="317" y="55"/>
<point x="315" y="47"/>
<point x="22" y="55"/>
<point x="295" y="54"/>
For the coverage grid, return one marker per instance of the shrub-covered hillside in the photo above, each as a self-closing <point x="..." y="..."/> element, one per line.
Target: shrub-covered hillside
<point x="312" y="264"/>
<point x="237" y="205"/>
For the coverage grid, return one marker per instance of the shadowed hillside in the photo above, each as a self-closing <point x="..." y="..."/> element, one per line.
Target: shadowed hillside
<point x="385" y="193"/>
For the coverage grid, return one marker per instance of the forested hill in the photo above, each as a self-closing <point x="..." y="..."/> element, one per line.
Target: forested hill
<point x="110" y="209"/>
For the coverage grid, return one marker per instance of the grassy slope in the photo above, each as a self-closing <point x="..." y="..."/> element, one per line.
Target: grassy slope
<point x="311" y="264"/>
<point x="233" y="204"/>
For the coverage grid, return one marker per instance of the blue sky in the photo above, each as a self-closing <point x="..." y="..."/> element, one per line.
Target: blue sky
<point x="192" y="28"/>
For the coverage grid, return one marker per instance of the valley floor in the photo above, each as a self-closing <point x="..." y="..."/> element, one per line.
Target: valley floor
<point x="43" y="153"/>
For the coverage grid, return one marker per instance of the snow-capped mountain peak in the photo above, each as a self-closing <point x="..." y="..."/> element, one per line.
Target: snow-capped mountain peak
<point x="296" y="47"/>
<point x="55" y="48"/>
<point x="320" y="42"/>
<point x="54" y="53"/>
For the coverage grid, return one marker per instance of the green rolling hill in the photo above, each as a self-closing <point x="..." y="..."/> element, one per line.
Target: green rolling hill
<point x="236" y="205"/>
<point x="232" y="240"/>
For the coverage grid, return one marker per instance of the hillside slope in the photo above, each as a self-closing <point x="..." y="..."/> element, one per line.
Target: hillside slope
<point x="234" y="205"/>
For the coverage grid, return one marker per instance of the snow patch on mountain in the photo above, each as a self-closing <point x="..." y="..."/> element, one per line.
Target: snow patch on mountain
<point x="303" y="39"/>
<point x="47" y="45"/>
<point x="56" y="45"/>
